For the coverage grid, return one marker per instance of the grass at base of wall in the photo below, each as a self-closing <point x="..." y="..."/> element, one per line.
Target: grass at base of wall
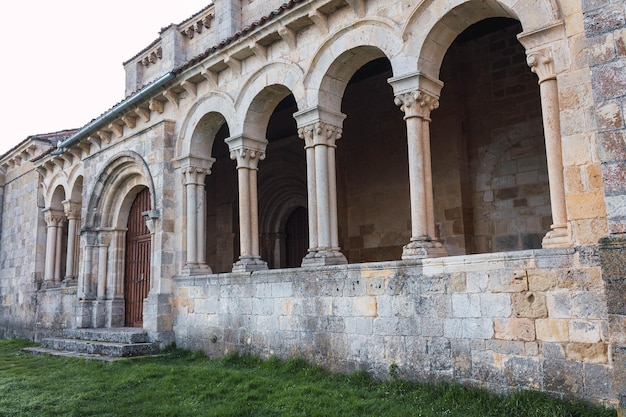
<point x="180" y="383"/>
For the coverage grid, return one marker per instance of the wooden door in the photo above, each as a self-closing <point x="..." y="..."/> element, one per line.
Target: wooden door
<point x="138" y="253"/>
<point x="297" y="237"/>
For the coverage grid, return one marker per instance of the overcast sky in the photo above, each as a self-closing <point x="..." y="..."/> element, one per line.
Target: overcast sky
<point x="61" y="62"/>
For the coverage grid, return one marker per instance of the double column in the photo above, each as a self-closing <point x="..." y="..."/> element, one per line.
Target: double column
<point x="195" y="171"/>
<point x="248" y="152"/>
<point x="542" y="64"/>
<point x="320" y="130"/>
<point x="418" y="95"/>
<point x="54" y="244"/>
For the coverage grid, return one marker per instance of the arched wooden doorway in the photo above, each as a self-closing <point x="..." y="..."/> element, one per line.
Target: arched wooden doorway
<point x="138" y="251"/>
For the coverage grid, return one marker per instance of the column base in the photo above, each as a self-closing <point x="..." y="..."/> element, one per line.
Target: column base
<point x="249" y="264"/>
<point x="47" y="285"/>
<point x="420" y="249"/>
<point x="197" y="269"/>
<point x="557" y="237"/>
<point x="83" y="314"/>
<point x="324" y="258"/>
<point x="69" y="282"/>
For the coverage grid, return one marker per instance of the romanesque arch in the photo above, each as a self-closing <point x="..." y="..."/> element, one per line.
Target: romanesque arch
<point x="344" y="53"/>
<point x="103" y="238"/>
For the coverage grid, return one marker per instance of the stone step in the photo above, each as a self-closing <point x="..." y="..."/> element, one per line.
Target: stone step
<point x="116" y="334"/>
<point x="68" y="354"/>
<point x="96" y="347"/>
<point x="104" y="344"/>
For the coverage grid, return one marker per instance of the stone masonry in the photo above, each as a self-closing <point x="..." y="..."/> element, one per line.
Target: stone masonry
<point x="435" y="185"/>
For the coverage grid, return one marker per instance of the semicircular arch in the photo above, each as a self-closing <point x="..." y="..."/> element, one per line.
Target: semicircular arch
<point x="347" y="50"/>
<point x="202" y="123"/>
<point x="262" y="93"/>
<point x="430" y="34"/>
<point x="116" y="186"/>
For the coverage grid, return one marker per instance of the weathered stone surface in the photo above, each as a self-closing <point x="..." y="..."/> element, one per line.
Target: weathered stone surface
<point x="529" y="305"/>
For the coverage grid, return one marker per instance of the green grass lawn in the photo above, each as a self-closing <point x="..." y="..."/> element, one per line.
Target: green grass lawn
<point x="180" y="383"/>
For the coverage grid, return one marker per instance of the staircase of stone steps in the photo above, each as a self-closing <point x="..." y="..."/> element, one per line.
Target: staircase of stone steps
<point x="102" y="344"/>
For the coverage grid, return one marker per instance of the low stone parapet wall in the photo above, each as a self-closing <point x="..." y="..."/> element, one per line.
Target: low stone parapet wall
<point x="531" y="319"/>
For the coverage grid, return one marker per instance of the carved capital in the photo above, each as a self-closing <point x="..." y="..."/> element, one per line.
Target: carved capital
<point x="320" y="133"/>
<point x="53" y="218"/>
<point x="247" y="157"/>
<point x="542" y="64"/>
<point x="417" y="103"/>
<point x="71" y="210"/>
<point x="195" y="175"/>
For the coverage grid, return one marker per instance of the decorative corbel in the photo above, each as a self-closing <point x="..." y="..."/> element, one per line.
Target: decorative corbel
<point x="320" y="20"/>
<point x="289" y="36"/>
<point x="259" y="50"/>
<point x="117" y="129"/>
<point x="210" y="76"/>
<point x="233" y="63"/>
<point x="104" y="135"/>
<point x="157" y="105"/>
<point x="143" y="113"/>
<point x="129" y="120"/>
<point x="358" y="6"/>
<point x="190" y="88"/>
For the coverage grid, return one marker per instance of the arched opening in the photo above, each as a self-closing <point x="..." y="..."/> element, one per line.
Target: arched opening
<point x="222" y="225"/>
<point x="138" y="260"/>
<point x="282" y="187"/>
<point x="296" y="237"/>
<point x="489" y="164"/>
<point x="372" y="178"/>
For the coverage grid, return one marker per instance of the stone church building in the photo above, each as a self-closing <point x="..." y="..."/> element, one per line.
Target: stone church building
<point x="437" y="185"/>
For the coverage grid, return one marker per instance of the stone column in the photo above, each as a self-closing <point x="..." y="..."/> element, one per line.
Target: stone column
<point x="542" y="64"/>
<point x="320" y="130"/>
<point x="417" y="103"/>
<point x="72" y="213"/>
<point x="54" y="221"/>
<point x="194" y="172"/>
<point x="248" y="152"/>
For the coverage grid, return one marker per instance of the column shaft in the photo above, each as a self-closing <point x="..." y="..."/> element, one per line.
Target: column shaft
<point x="244" y="212"/>
<point x="322" y="193"/>
<point x="58" y="253"/>
<point x="201" y="230"/>
<point x="70" y="273"/>
<point x="332" y="198"/>
<point x="192" y="227"/>
<point x="254" y="214"/>
<point x="102" y="271"/>
<point x="552" y="133"/>
<point x="417" y="187"/>
<point x="51" y="241"/>
<point x="312" y="197"/>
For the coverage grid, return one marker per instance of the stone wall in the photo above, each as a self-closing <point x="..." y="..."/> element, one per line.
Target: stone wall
<point x="26" y="310"/>
<point x="531" y="319"/>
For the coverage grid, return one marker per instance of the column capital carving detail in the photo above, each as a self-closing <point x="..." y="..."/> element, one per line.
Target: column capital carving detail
<point x="417" y="103"/>
<point x="195" y="175"/>
<point x="71" y="210"/>
<point x="54" y="217"/>
<point x="320" y="133"/>
<point x="247" y="157"/>
<point x="246" y="151"/>
<point x="542" y="64"/>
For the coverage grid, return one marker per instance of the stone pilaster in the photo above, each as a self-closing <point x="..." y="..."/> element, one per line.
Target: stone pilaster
<point x="542" y="64"/>
<point x="417" y="103"/>
<point x="320" y="131"/>
<point x="248" y="152"/>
